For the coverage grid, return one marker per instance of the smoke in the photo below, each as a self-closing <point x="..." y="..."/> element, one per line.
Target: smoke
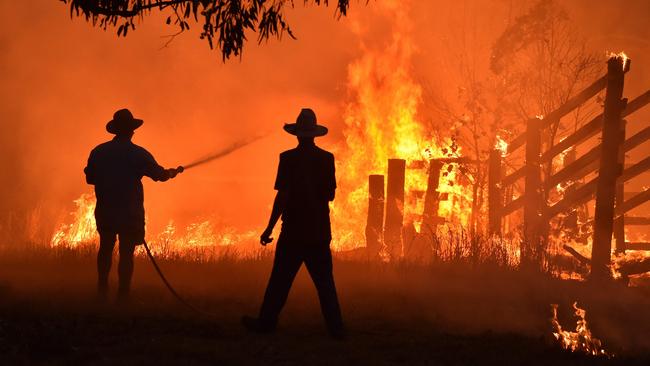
<point x="62" y="80"/>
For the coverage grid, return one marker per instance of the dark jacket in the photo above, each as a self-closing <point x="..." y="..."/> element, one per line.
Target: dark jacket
<point x="307" y="175"/>
<point x="116" y="168"/>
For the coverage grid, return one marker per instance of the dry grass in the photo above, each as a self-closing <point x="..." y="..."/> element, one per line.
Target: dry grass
<point x="446" y="312"/>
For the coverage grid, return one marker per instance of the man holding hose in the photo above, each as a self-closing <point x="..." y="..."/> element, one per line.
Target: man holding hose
<point x="116" y="168"/>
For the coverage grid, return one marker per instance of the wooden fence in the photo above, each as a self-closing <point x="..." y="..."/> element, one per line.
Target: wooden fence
<point x="385" y="221"/>
<point x="385" y="224"/>
<point x="606" y="188"/>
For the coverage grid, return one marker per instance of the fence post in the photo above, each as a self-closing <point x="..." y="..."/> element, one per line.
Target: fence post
<point x="570" y="222"/>
<point x="619" y="224"/>
<point x="610" y="170"/>
<point x="495" y="194"/>
<point x="533" y="196"/>
<point x="394" y="207"/>
<point x="432" y="198"/>
<point x="375" y="223"/>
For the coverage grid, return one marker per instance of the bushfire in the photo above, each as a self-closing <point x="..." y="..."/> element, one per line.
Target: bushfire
<point x="381" y="123"/>
<point x="199" y="241"/>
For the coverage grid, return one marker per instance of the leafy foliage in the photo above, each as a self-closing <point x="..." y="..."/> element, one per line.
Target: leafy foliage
<point x="223" y="21"/>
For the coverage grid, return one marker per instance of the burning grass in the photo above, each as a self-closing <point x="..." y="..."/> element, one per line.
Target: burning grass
<point x="203" y="241"/>
<point x="580" y="340"/>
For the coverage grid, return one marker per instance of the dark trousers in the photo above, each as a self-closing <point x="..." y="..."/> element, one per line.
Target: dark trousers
<point x="105" y="256"/>
<point x="289" y="256"/>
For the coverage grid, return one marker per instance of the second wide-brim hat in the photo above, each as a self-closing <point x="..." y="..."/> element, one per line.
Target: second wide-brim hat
<point x="306" y="125"/>
<point x="122" y="122"/>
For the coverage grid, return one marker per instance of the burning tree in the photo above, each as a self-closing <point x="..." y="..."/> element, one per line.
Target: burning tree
<point x="536" y="64"/>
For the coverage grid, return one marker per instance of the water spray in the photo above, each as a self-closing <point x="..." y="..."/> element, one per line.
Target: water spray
<point x="222" y="153"/>
<point x="215" y="156"/>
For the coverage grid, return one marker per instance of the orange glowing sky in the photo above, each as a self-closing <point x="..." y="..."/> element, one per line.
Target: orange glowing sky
<point x="62" y="80"/>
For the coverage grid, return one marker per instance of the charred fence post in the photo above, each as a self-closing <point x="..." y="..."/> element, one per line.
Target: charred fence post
<point x="619" y="223"/>
<point x="394" y="207"/>
<point x="495" y="194"/>
<point x="375" y="223"/>
<point x="609" y="170"/>
<point x="432" y="198"/>
<point x="533" y="196"/>
<point x="570" y="223"/>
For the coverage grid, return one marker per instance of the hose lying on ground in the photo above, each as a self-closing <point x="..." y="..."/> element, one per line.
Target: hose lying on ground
<point x="170" y="287"/>
<point x="201" y="161"/>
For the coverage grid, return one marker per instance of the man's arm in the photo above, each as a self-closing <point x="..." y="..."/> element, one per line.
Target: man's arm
<point x="157" y="173"/>
<point x="278" y="208"/>
<point x="331" y="184"/>
<point x="280" y="202"/>
<point x="89" y="170"/>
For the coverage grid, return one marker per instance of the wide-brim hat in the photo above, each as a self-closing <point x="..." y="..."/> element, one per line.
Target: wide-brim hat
<point x="306" y="125"/>
<point x="122" y="122"/>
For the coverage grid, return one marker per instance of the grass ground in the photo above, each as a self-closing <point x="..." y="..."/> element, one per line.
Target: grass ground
<point x="442" y="314"/>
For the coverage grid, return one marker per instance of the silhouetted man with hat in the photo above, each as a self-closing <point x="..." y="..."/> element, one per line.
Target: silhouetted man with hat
<point x="305" y="185"/>
<point x="116" y="168"/>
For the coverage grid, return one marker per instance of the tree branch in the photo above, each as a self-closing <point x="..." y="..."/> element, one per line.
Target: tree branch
<point x="93" y="8"/>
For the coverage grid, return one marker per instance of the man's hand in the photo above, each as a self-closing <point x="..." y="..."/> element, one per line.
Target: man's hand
<point x="174" y="172"/>
<point x="266" y="238"/>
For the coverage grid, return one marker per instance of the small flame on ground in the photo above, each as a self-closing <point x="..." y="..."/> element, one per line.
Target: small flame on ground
<point x="199" y="236"/>
<point x="83" y="228"/>
<point x="580" y="340"/>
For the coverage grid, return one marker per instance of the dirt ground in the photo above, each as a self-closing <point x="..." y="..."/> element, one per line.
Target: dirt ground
<point x="437" y="314"/>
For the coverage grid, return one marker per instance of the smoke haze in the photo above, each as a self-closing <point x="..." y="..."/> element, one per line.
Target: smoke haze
<point x="62" y="80"/>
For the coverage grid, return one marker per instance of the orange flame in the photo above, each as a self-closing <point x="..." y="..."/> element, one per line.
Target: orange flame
<point x="382" y="123"/>
<point x="83" y="228"/>
<point x="620" y="55"/>
<point x="581" y="340"/>
<point x="197" y="237"/>
<point x="501" y="145"/>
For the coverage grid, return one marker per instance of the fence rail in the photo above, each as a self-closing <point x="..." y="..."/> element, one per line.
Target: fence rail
<point x="607" y="158"/>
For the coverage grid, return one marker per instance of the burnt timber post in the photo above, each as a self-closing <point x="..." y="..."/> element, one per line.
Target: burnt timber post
<point x="432" y="198"/>
<point x="495" y="194"/>
<point x="533" y="196"/>
<point x="609" y="170"/>
<point x="619" y="223"/>
<point x="375" y="223"/>
<point x="571" y="220"/>
<point x="394" y="207"/>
